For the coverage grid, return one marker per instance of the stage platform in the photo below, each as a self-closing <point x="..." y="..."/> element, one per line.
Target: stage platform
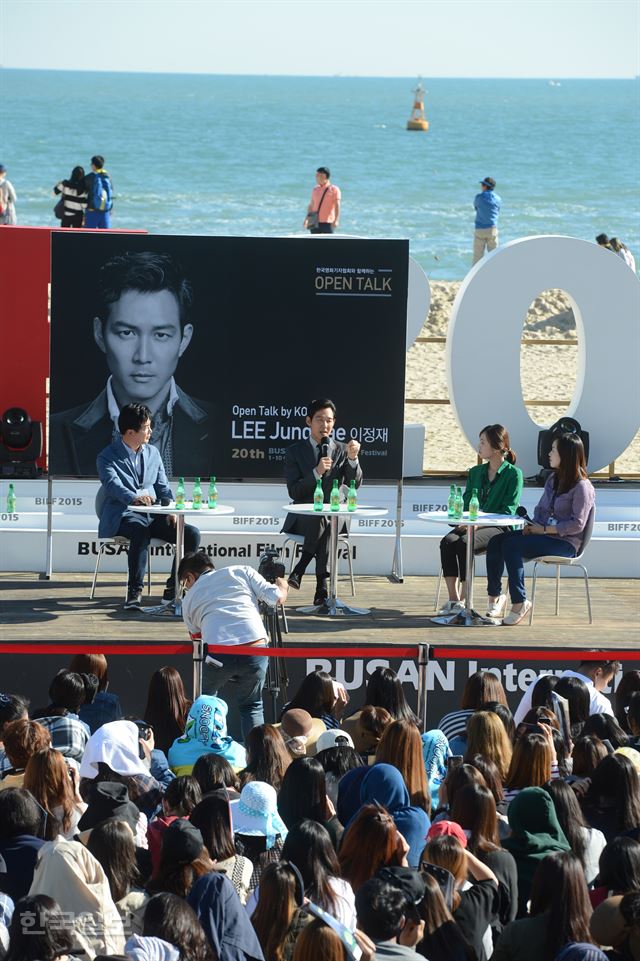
<point x="59" y="610"/>
<point x="42" y="623"/>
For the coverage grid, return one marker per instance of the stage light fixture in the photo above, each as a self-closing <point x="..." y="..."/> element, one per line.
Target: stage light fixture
<point x="20" y="444"/>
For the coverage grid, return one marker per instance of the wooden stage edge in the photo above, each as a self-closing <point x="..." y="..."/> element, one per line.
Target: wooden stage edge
<point x="60" y="610"/>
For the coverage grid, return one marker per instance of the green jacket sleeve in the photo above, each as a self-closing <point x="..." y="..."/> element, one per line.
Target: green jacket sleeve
<point x="513" y="490"/>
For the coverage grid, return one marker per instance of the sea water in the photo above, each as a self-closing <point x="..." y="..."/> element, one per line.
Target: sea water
<point x="193" y="154"/>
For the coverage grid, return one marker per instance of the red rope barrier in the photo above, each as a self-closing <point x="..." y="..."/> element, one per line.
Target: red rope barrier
<point x="389" y="651"/>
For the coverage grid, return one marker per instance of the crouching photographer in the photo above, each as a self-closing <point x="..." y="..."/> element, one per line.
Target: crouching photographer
<point x="223" y="606"/>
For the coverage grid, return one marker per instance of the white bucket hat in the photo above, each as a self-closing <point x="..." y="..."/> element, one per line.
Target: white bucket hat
<point x="255" y="813"/>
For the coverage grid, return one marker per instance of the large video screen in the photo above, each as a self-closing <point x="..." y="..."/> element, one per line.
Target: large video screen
<point x="227" y="340"/>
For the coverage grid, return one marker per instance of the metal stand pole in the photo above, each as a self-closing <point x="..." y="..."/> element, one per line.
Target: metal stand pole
<point x="397" y="573"/>
<point x="48" y="570"/>
<point x="198" y="660"/>
<point x="423" y="661"/>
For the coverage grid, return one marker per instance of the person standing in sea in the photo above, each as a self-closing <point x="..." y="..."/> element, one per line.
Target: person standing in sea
<point x="8" y="198"/>
<point x="324" y="204"/>
<point x="487" y="205"/>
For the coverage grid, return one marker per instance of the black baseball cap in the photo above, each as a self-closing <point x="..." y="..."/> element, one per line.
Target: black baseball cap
<point x="182" y="842"/>
<point x="488" y="182"/>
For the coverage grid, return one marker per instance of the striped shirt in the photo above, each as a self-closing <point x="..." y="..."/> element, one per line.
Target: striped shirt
<point x="454" y="724"/>
<point x="74" y="200"/>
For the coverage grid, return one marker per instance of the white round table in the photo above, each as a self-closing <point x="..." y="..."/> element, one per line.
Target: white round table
<point x="333" y="607"/>
<point x="469" y="617"/>
<point x="175" y="608"/>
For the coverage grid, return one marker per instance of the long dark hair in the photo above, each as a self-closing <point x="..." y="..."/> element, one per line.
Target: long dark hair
<point x="303" y="793"/>
<point x="52" y="938"/>
<point x="498" y="437"/>
<point x="481" y="687"/>
<point x="175" y="877"/>
<point x="213" y="771"/>
<point x="587" y="753"/>
<point x="559" y="889"/>
<point x="75" y="180"/>
<point x="309" y="847"/>
<point x="212" y="817"/>
<point x="542" y="691"/>
<point x="314" y="695"/>
<point x="577" y="694"/>
<point x="569" y="817"/>
<point x="113" y="845"/>
<point x="615" y="785"/>
<point x="629" y="684"/>
<point x="442" y="936"/>
<point x="172" y="919"/>
<point x="573" y="466"/>
<point x="275" y="908"/>
<point x="474" y="809"/>
<point x="167" y="707"/>
<point x="267" y="756"/>
<point x="606" y="728"/>
<point x="384" y="689"/>
<point x="619" y="865"/>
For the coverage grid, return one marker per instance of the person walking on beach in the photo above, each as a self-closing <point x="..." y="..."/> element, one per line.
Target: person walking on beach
<point x="99" y="196"/>
<point x="8" y="198"/>
<point x="487" y="205"/>
<point x="323" y="215"/>
<point x="74" y="198"/>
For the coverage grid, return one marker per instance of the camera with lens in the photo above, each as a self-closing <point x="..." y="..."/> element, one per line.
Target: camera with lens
<point x="269" y="567"/>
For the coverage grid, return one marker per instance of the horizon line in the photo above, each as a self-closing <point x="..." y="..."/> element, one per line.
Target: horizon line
<point x="317" y="76"/>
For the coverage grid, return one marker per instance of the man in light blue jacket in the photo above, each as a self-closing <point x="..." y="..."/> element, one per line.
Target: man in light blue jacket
<point x="132" y="474"/>
<point x="487" y="206"/>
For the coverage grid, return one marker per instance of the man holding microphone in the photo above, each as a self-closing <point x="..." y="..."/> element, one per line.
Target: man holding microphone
<point x="321" y="457"/>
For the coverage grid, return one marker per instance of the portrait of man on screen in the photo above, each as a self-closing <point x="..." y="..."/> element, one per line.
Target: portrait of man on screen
<point x="142" y="326"/>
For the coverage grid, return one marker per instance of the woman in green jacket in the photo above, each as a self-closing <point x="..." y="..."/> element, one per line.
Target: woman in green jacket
<point x="498" y="483"/>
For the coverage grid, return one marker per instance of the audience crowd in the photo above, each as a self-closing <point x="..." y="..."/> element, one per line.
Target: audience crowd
<point x="328" y="836"/>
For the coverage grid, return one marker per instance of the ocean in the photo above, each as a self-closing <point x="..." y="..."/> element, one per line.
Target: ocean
<point x="233" y="155"/>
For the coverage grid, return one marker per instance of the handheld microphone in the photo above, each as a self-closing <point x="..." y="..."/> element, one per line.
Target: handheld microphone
<point x="324" y="446"/>
<point x="522" y="512"/>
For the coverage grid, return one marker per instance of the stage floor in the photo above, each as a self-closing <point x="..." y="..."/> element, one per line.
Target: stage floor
<point x="60" y="610"/>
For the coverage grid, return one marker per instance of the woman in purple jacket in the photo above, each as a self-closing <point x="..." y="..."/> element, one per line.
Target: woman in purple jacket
<point x="559" y="522"/>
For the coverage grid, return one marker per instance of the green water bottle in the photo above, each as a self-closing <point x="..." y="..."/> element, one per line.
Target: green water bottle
<point x="197" y="495"/>
<point x="459" y="504"/>
<point x="11" y="500"/>
<point x="352" y="497"/>
<point x="212" y="498"/>
<point x="334" y="501"/>
<point x="474" y="505"/>
<point x="318" y="496"/>
<point x="180" y="494"/>
<point x="451" y="503"/>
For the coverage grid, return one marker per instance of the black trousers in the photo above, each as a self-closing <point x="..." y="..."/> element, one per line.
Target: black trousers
<point x="322" y="229"/>
<point x="453" y="550"/>
<point x="140" y="529"/>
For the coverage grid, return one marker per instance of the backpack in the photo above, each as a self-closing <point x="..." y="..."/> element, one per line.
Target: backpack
<point x="101" y="195"/>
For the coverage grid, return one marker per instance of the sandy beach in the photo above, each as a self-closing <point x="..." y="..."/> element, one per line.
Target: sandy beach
<point x="548" y="372"/>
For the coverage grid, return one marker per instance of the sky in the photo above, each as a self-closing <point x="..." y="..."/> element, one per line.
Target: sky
<point x="554" y="39"/>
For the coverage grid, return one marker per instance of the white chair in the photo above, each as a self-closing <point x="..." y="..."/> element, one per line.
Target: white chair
<point x="295" y="539"/>
<point x="119" y="541"/>
<point x="565" y="562"/>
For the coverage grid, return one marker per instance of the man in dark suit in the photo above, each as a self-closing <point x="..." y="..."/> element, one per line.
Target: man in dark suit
<point x="307" y="461"/>
<point x="142" y="326"/>
<point x="132" y="474"/>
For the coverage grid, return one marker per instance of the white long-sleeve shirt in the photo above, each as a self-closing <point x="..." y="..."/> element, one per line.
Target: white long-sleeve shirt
<point x="222" y="605"/>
